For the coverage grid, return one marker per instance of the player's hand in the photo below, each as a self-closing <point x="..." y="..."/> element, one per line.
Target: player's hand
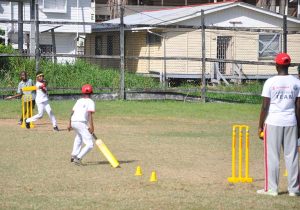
<point x="91" y="130"/>
<point x="69" y="127"/>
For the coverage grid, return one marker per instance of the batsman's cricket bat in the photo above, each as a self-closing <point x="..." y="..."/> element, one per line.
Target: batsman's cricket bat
<point x="105" y="151"/>
<point x="28" y="88"/>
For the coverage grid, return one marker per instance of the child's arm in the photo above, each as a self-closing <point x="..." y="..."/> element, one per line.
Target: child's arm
<point x="91" y="122"/>
<point x="70" y="126"/>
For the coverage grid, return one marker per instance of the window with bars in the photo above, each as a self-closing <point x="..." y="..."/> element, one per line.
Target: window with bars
<point x="269" y="45"/>
<point x="98" y="45"/>
<point x="110" y="45"/>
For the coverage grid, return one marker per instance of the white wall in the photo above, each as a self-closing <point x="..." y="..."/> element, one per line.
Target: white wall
<point x="9" y="11"/>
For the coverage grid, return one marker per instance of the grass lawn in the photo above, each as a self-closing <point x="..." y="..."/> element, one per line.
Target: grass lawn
<point x="187" y="144"/>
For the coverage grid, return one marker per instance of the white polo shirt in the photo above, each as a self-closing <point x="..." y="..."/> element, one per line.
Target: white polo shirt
<point x="282" y="91"/>
<point x="81" y="109"/>
<point x="41" y="96"/>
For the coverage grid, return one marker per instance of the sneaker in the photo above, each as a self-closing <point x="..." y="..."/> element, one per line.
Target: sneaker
<point x="27" y="124"/>
<point x="294" y="194"/>
<point x="77" y="161"/>
<point x="269" y="192"/>
<point x="20" y="122"/>
<point x="72" y="158"/>
<point x="55" y="128"/>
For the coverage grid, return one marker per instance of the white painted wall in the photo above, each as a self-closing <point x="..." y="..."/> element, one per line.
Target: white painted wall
<point x="9" y="11"/>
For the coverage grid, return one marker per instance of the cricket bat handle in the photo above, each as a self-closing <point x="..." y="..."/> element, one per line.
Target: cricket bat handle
<point x="106" y="152"/>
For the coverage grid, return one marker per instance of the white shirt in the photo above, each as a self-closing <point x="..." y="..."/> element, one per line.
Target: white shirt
<point x="41" y="96"/>
<point x="81" y="109"/>
<point x="282" y="91"/>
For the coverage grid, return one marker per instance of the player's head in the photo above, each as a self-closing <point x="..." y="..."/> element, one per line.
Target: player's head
<point x="39" y="76"/>
<point x="23" y="75"/>
<point x="87" y="89"/>
<point x="283" y="61"/>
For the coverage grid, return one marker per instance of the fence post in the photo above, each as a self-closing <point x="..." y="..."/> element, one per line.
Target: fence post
<point x="20" y="27"/>
<point x="284" y="33"/>
<point x="37" y="38"/>
<point x="203" y="86"/>
<point x="122" y="65"/>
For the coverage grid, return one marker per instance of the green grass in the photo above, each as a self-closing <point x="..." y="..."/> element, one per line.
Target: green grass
<point x="188" y="144"/>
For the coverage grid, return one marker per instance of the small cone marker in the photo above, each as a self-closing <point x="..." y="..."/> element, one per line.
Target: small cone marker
<point x="138" y="171"/>
<point x="285" y="173"/>
<point x="153" y="177"/>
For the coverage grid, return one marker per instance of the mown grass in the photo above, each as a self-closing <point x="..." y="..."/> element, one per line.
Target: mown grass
<point x="188" y="144"/>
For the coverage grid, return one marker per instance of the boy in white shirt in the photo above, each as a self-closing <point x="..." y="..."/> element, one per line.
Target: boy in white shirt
<point x="279" y="120"/>
<point x="42" y="102"/>
<point x="82" y="122"/>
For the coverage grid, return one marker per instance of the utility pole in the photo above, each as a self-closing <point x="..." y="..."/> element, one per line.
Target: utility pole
<point x="20" y="27"/>
<point x="203" y="86"/>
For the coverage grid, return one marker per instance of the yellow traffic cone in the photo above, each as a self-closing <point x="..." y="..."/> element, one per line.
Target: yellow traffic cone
<point x="138" y="171"/>
<point x="285" y="173"/>
<point x="153" y="177"/>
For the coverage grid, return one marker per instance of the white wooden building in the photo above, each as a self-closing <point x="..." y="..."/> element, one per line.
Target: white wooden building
<point x="235" y="45"/>
<point x="68" y="38"/>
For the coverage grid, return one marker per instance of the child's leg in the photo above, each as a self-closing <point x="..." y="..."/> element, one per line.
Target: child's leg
<point x="50" y="114"/>
<point x="88" y="140"/>
<point x="40" y="107"/>
<point x="77" y="145"/>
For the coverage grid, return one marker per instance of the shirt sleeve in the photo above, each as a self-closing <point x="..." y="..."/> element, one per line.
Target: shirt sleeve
<point x="91" y="107"/>
<point x="266" y="90"/>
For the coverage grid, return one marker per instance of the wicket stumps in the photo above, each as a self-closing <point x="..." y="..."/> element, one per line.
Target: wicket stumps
<point x="26" y="109"/>
<point x="240" y="178"/>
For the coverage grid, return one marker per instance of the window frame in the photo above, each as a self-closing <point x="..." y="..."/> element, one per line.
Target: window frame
<point x="54" y="10"/>
<point x="266" y="46"/>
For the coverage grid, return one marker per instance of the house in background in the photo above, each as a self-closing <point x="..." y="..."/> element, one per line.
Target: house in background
<point x="68" y="38"/>
<point x="104" y="10"/>
<point x="226" y="44"/>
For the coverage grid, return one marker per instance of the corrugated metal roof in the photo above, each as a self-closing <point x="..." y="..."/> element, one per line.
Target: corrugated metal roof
<point x="175" y="15"/>
<point x="166" y="16"/>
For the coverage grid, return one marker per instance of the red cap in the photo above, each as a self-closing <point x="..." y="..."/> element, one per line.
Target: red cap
<point x="87" y="89"/>
<point x="283" y="59"/>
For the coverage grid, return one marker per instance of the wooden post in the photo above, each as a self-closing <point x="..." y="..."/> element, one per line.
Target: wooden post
<point x="20" y="27"/>
<point x="165" y="65"/>
<point x="203" y="87"/>
<point x="122" y="59"/>
<point x="284" y="34"/>
<point x="37" y="38"/>
<point x="54" y="58"/>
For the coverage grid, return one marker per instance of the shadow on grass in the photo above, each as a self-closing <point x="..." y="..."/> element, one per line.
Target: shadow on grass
<point x="91" y="163"/>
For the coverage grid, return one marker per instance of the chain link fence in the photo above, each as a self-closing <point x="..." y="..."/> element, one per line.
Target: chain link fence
<point x="172" y="54"/>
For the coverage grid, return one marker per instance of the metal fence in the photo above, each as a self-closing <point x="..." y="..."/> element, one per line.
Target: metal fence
<point x="171" y="53"/>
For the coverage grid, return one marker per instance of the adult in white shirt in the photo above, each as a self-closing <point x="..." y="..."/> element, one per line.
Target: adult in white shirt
<point x="42" y="102"/>
<point x="279" y="120"/>
<point x="82" y="122"/>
